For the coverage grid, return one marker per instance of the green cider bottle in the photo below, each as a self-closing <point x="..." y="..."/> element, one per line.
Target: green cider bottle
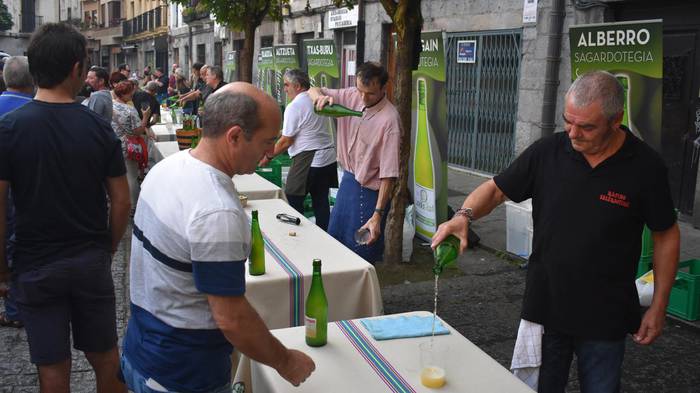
<point x="316" y="312"/>
<point x="257" y="248"/>
<point x="446" y="254"/>
<point x="337" y="110"/>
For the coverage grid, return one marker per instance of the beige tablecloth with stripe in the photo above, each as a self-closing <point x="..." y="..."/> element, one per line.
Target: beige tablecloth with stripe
<point x="341" y="368"/>
<point x="351" y="284"/>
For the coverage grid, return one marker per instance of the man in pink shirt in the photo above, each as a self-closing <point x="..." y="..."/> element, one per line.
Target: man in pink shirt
<point x="368" y="151"/>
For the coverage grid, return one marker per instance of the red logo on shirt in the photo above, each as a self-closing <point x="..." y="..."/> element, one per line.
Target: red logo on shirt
<point x="615" y="198"/>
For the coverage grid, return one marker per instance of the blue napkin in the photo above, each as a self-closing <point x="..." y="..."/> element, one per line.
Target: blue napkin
<point x="403" y="327"/>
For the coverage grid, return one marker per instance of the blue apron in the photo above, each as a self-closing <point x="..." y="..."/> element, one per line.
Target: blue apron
<point x="354" y="205"/>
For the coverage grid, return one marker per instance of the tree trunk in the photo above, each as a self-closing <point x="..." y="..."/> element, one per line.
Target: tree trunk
<point x="247" y="53"/>
<point x="408" y="23"/>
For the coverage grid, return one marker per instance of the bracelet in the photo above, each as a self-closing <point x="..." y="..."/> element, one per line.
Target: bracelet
<point x="466" y="212"/>
<point x="268" y="157"/>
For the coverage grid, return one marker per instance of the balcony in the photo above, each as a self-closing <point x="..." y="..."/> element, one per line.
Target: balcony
<point x="193" y="13"/>
<point x="150" y="22"/>
<point x="29" y="22"/>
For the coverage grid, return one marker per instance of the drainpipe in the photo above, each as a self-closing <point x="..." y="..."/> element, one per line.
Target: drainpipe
<point x="551" y="76"/>
<point x="360" y="37"/>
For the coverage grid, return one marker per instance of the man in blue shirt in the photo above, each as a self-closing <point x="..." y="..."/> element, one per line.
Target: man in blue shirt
<point x="63" y="163"/>
<point x="20" y="88"/>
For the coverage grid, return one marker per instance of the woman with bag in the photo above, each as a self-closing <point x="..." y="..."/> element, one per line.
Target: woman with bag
<point x="130" y="129"/>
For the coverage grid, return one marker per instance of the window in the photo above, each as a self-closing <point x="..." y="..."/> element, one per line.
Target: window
<point x="176" y="55"/>
<point x="266" y="42"/>
<point x="218" y="54"/>
<point x="202" y="53"/>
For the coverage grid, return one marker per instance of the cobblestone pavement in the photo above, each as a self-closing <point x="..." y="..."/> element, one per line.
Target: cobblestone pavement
<point x="18" y="375"/>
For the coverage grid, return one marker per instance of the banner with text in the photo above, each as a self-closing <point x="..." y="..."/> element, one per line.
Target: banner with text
<point x="324" y="68"/>
<point x="633" y="52"/>
<point x="266" y="70"/>
<point x="429" y="135"/>
<point x="231" y="67"/>
<point x="285" y="59"/>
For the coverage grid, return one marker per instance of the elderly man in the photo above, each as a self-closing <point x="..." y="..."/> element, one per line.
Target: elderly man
<point x="309" y="142"/>
<point x="20" y="89"/>
<point x="214" y="79"/>
<point x="100" y="99"/>
<point x="368" y="151"/>
<point x="188" y="252"/>
<point x="593" y="187"/>
<point x="63" y="163"/>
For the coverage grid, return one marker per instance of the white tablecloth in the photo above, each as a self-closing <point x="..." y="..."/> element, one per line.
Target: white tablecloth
<point x="340" y="366"/>
<point x="165" y="131"/>
<point x="255" y="187"/>
<point x="165" y="149"/>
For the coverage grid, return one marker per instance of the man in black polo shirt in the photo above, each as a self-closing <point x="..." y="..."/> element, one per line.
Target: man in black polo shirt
<point x="214" y="79"/>
<point x="62" y="162"/>
<point x="593" y="188"/>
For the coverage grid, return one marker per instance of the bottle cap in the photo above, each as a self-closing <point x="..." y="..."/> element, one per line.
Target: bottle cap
<point x="317" y="263"/>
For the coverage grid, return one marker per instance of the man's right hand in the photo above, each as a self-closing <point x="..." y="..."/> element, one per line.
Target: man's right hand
<point x="322" y="101"/>
<point x="296" y="367"/>
<point x="458" y="226"/>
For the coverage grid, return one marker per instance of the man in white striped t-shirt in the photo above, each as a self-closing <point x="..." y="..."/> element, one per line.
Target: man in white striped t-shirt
<point x="190" y="243"/>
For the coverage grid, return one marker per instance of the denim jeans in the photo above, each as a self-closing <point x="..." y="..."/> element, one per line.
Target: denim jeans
<point x="11" y="311"/>
<point x="138" y="383"/>
<point x="599" y="363"/>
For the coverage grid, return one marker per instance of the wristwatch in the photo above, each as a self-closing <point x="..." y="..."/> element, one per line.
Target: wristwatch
<point x="268" y="157"/>
<point x="466" y="212"/>
<point x="380" y="211"/>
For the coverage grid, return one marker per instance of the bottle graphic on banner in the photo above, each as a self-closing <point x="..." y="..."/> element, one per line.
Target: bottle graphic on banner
<point x="423" y="168"/>
<point x="625" y="82"/>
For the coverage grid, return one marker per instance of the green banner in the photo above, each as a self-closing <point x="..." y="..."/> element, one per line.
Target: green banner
<point x="429" y="135"/>
<point x="323" y="68"/>
<point x="266" y="70"/>
<point x="633" y="52"/>
<point x="285" y="59"/>
<point x="231" y="67"/>
<point x="321" y="57"/>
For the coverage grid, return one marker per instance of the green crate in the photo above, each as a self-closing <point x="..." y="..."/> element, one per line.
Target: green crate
<point x="272" y="172"/>
<point x="647" y="243"/>
<point x="685" y="294"/>
<point x="645" y="264"/>
<point x="308" y="207"/>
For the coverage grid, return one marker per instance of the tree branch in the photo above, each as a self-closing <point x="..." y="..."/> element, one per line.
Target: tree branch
<point x="389" y="7"/>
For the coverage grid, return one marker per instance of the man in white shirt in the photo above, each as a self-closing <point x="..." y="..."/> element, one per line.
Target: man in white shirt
<point x="188" y="251"/>
<point x="310" y="144"/>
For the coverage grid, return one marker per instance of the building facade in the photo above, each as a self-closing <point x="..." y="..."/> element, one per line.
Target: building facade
<point x="28" y="15"/>
<point x="514" y="94"/>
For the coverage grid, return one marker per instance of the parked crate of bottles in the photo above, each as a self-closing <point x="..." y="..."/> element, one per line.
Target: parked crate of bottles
<point x="685" y="294"/>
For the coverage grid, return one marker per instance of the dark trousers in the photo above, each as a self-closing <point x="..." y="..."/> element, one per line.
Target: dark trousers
<point x="318" y="182"/>
<point x="599" y="363"/>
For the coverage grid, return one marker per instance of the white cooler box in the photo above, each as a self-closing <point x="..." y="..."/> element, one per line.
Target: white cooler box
<point x="519" y="228"/>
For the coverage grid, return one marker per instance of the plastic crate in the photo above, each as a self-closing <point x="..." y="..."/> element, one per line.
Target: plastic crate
<point x="519" y="228"/>
<point x="685" y="294"/>
<point x="647" y="243"/>
<point x="645" y="264"/>
<point x="272" y="172"/>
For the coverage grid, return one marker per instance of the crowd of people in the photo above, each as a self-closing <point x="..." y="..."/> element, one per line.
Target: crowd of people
<point x="72" y="172"/>
<point x="71" y="179"/>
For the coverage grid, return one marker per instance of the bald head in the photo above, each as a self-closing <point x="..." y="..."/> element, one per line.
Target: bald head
<point x="241" y="104"/>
